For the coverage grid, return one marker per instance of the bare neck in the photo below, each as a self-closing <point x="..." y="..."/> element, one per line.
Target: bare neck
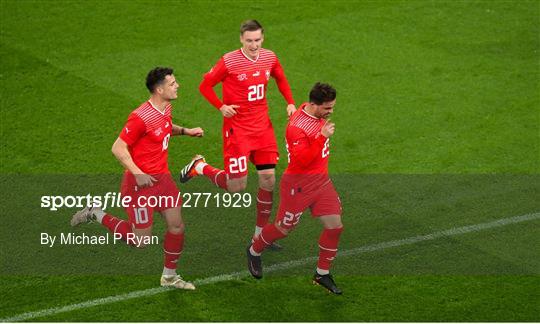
<point x="310" y="110"/>
<point x="158" y="103"/>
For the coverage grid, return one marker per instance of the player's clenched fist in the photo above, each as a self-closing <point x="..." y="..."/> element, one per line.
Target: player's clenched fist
<point x="328" y="129"/>
<point x="194" y="132"/>
<point x="228" y="111"/>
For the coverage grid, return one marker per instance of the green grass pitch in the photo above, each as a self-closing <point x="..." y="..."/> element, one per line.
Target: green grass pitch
<point x="437" y="128"/>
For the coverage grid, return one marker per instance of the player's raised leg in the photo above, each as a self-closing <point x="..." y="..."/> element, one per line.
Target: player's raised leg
<point x="120" y="228"/>
<point x="196" y="168"/>
<point x="222" y="179"/>
<point x="173" y="246"/>
<point x="115" y="225"/>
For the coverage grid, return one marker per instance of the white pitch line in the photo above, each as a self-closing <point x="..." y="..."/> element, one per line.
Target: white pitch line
<point x="276" y="267"/>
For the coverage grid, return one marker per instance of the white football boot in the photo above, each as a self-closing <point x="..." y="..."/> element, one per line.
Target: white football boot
<point x="176" y="282"/>
<point x="86" y="215"/>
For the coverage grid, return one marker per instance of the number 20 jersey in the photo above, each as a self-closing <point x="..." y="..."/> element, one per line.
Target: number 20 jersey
<point x="244" y="84"/>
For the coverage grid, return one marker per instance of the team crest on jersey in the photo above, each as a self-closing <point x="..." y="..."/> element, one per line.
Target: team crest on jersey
<point x="158" y="131"/>
<point x="267" y="74"/>
<point x="242" y="77"/>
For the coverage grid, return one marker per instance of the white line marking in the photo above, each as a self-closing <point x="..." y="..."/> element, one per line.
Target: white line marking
<point x="276" y="267"/>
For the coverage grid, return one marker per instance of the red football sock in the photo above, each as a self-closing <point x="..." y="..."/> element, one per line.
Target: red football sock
<point x="264" y="206"/>
<point x="172" y="248"/>
<point x="217" y="176"/>
<point x="116" y="225"/>
<point x="269" y="234"/>
<point x="328" y="247"/>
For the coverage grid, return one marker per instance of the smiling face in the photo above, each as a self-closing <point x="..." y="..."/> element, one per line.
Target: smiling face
<point x="323" y="110"/>
<point x="252" y="43"/>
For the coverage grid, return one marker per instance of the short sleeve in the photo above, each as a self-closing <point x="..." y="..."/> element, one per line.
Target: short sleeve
<point x="133" y="130"/>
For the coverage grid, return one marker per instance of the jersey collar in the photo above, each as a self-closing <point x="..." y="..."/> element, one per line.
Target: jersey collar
<point x="305" y="112"/>
<point x="152" y="105"/>
<point x="255" y="60"/>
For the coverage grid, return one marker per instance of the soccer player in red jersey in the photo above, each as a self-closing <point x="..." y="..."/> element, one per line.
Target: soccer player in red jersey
<point x="247" y="130"/>
<point x="306" y="184"/>
<point x="142" y="149"/>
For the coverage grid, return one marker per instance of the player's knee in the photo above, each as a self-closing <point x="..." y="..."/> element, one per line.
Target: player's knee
<point x="267" y="184"/>
<point x="333" y="223"/>
<point x="176" y="228"/>
<point x="236" y="186"/>
<point x="283" y="230"/>
<point x="267" y="181"/>
<point x="139" y="241"/>
<point x="336" y="225"/>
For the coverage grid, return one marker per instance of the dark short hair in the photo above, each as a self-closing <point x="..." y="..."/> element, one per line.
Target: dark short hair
<point x="321" y="93"/>
<point x="250" y="25"/>
<point x="156" y="76"/>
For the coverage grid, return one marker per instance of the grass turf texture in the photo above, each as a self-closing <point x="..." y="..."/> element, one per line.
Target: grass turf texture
<point x="369" y="298"/>
<point x="423" y="87"/>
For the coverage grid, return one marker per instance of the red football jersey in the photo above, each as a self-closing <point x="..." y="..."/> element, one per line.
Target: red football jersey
<point x="147" y="133"/>
<point x="308" y="149"/>
<point x="244" y="84"/>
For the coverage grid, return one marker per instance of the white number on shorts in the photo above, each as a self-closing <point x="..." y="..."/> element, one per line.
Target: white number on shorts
<point x="291" y="219"/>
<point x="166" y="142"/>
<point x="141" y="215"/>
<point x="256" y="92"/>
<point x="326" y="148"/>
<point x="238" y="165"/>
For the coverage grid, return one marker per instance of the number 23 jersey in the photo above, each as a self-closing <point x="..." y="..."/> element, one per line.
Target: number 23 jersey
<point x="308" y="149"/>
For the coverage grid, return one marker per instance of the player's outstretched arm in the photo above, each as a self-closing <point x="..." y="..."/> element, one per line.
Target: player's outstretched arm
<point x="193" y="132"/>
<point x="121" y="152"/>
